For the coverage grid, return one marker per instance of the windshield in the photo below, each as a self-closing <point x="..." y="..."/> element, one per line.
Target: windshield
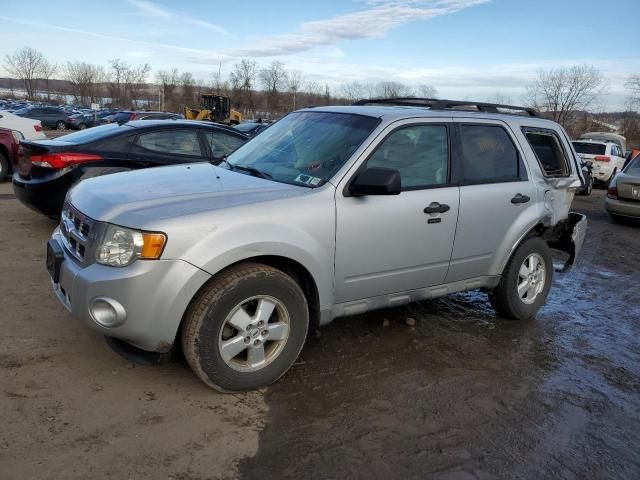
<point x="589" y="148"/>
<point x="22" y="111"/>
<point x="304" y="148"/>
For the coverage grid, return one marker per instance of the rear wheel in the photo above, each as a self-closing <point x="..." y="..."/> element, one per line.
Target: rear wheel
<point x="82" y="126"/>
<point x="525" y="282"/>
<point x="4" y="166"/>
<point x="245" y="328"/>
<point x="60" y="125"/>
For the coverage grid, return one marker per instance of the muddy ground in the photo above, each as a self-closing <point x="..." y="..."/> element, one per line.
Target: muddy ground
<point x="460" y="395"/>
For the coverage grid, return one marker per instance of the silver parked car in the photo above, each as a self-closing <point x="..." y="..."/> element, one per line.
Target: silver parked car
<point x="330" y="212"/>
<point x="623" y="195"/>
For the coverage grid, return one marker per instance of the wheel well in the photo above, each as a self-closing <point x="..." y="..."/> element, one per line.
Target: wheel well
<point x="299" y="273"/>
<point x="537" y="231"/>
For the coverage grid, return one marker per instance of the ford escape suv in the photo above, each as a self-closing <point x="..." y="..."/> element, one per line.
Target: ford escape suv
<point x="330" y="212"/>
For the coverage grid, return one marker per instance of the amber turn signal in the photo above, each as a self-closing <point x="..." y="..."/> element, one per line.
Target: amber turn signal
<point x="153" y="245"/>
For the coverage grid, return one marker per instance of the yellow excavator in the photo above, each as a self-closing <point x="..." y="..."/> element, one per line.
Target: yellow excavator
<point x="214" y="108"/>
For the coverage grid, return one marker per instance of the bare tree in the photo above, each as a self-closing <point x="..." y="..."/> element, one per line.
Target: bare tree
<point x="633" y="84"/>
<point x="117" y="80"/>
<point x="294" y="83"/>
<point x="47" y="71"/>
<point x="242" y="80"/>
<point x="135" y="80"/>
<point x="499" y="98"/>
<point x="187" y="82"/>
<point x="85" y="80"/>
<point x="273" y="80"/>
<point x="314" y="93"/>
<point x="391" y="89"/>
<point x="353" y="91"/>
<point x="168" y="81"/>
<point x="427" y="91"/>
<point x="25" y="64"/>
<point x="561" y="92"/>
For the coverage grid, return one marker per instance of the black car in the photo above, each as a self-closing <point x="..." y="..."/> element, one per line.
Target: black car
<point x="128" y="115"/>
<point x="52" y="117"/>
<point x="47" y="169"/>
<point x="251" y="128"/>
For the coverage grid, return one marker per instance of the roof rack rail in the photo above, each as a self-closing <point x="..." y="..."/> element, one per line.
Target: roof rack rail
<point x="437" y="104"/>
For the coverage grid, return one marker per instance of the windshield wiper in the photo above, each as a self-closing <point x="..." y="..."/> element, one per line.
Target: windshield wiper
<point x="218" y="161"/>
<point x="252" y="170"/>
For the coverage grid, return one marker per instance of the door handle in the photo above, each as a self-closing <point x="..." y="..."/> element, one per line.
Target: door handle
<point x="519" y="198"/>
<point x="436" y="207"/>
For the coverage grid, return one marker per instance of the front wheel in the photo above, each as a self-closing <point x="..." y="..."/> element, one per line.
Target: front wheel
<point x="61" y="125"/>
<point x="525" y="282"/>
<point x="82" y="126"/>
<point x="245" y="328"/>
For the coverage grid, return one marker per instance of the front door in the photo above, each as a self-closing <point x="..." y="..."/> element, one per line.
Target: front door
<point x="389" y="244"/>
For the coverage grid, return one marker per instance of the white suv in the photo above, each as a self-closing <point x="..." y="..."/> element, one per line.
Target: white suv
<point x="606" y="158"/>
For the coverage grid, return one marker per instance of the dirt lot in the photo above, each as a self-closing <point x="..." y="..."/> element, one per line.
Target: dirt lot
<point x="460" y="395"/>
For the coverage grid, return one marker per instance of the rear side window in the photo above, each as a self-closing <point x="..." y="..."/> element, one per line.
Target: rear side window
<point x="171" y="142"/>
<point x="222" y="144"/>
<point x="420" y="153"/>
<point x="549" y="152"/>
<point x="489" y="155"/>
<point x="588" y="148"/>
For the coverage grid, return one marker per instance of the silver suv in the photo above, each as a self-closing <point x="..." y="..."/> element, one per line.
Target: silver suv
<point x="330" y="212"/>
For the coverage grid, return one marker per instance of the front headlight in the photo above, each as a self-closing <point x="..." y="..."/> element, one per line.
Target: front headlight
<point x="122" y="246"/>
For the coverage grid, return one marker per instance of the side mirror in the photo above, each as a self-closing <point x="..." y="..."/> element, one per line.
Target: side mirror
<point x="376" y="181"/>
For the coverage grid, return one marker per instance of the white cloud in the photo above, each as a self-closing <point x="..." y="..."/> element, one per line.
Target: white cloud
<point x="376" y="21"/>
<point x="152" y="9"/>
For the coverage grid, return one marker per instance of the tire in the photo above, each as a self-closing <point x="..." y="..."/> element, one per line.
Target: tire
<point x="60" y="125"/>
<point x="4" y="166"/>
<point x="589" y="186"/>
<point x="82" y="126"/>
<point x="207" y="327"/>
<point x="505" y="297"/>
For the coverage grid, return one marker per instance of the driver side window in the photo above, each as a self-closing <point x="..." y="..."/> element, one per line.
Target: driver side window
<point x="419" y="152"/>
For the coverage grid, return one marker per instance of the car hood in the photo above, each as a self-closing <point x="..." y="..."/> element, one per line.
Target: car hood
<point x="143" y="198"/>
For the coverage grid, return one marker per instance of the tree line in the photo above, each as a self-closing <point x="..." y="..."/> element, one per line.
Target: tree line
<point x="562" y="94"/>
<point x="269" y="91"/>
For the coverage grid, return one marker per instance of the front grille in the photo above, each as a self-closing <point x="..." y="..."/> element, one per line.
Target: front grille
<point x="76" y="230"/>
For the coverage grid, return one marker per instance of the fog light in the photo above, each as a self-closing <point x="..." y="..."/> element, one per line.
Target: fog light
<point x="107" y="312"/>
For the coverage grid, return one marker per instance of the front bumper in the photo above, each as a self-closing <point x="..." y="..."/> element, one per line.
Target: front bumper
<point x="626" y="208"/>
<point x="154" y="295"/>
<point x="570" y="239"/>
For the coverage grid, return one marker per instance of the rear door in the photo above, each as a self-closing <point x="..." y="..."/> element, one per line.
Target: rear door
<point x="167" y="146"/>
<point x="494" y="193"/>
<point x="391" y="244"/>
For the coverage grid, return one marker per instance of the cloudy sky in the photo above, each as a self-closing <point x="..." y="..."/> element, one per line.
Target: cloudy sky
<point x="467" y="49"/>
